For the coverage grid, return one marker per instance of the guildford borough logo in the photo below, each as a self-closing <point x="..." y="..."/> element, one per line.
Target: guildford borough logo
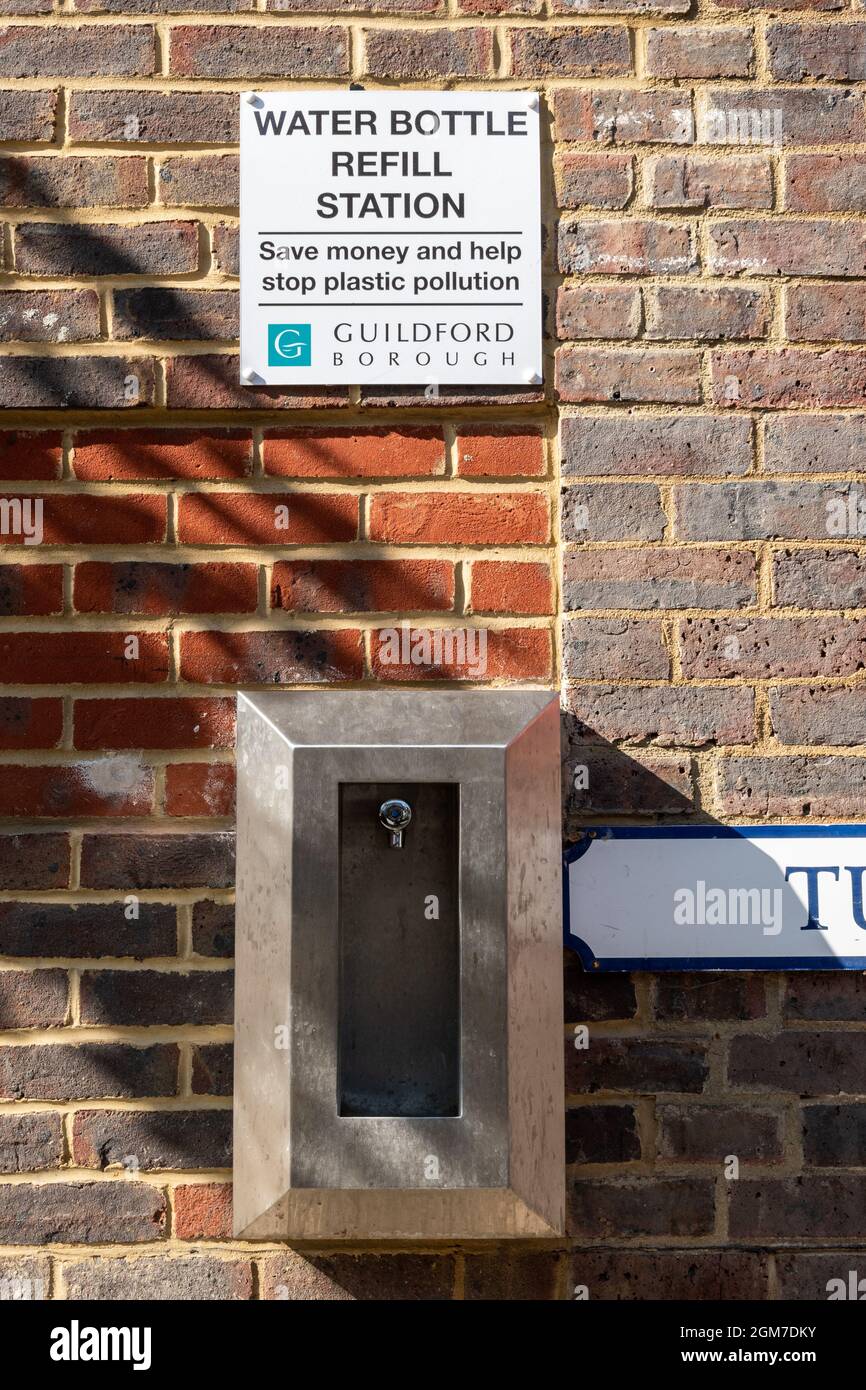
<point x="289" y="344"/>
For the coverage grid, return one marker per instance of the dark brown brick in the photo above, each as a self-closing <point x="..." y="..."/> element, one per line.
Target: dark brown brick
<point x="33" y="998"/>
<point x="818" y="52"/>
<point x="768" y="647"/>
<point x="811" y="1276"/>
<point x="338" y="1278"/>
<point x="620" y="784"/>
<point x="213" y="929"/>
<point x="211" y="381"/>
<point x="140" y="997"/>
<point x="157" y="1139"/>
<point x="803" y="443"/>
<point x="86" y="383"/>
<point x="709" y="997"/>
<point x="160" y="1278"/>
<point x="28" y="116"/>
<point x="834" y="1136"/>
<point x="158" y="861"/>
<point x="226" y="246"/>
<point x="636" y="1065"/>
<point x="49" y="316"/>
<point x="802" y="787"/>
<point x="788" y="1208"/>
<point x="88" y="50"/>
<point x="807" y="1064"/>
<point x="710" y="1133"/>
<point x="87" y="1071"/>
<point x="73" y="181"/>
<point x="505" y="1277"/>
<point x="73" y="1213"/>
<point x="819" y="116"/>
<point x="86" y="930"/>
<point x="170" y="313"/>
<point x="30" y="1143"/>
<point x="826" y="996"/>
<point x="212" y="1069"/>
<point x="148" y="248"/>
<point x="653" y="1207"/>
<point x="611" y="512"/>
<point x="34" y="861"/>
<point x="746" y="511"/>
<point x="818" y="714"/>
<point x="692" y="1275"/>
<point x="201" y="181"/>
<point x="592" y="998"/>
<point x="601" y="1134"/>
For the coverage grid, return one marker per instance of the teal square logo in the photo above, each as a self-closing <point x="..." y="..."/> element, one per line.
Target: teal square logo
<point x="289" y="344"/>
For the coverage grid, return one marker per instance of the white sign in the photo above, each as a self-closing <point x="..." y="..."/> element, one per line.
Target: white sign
<point x="713" y="897"/>
<point x="390" y="238"/>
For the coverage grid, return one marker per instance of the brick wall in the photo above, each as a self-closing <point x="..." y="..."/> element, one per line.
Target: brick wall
<point x="708" y="161"/>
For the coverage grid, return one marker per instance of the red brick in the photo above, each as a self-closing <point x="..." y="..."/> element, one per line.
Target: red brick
<point x="81" y="658"/>
<point x="598" y="311"/>
<point x="593" y="180"/>
<point x="511" y="586"/>
<point x="88" y="50"/>
<point x="28" y="590"/>
<point x="344" y="1277"/>
<point x="819" y="116"/>
<point x="211" y="381"/>
<point x="147" y="248"/>
<point x="650" y="375"/>
<point x="460" y="518"/>
<point x="30" y="455"/>
<point x="160" y="589"/>
<point x="203" y="1211"/>
<point x="104" y="456"/>
<point x="26" y="723"/>
<point x="233" y="50"/>
<point x="596" y="51"/>
<point x="787" y="247"/>
<point x="793" y="376"/>
<point x="200" y="789"/>
<point x="697" y="181"/>
<point x="695" y="52"/>
<point x="507" y="453"/>
<point x="245" y="518"/>
<point x="623" y="117"/>
<point x="358" y="586"/>
<point x="625" y="247"/>
<point x="824" y="183"/>
<point x="360" y="453"/>
<point x="825" y="312"/>
<point x="521" y="653"/>
<point x="119" y="787"/>
<point x="76" y="519"/>
<point x="411" y="54"/>
<point x="685" y="311"/>
<point x="270" y="658"/>
<point x="817" y="52"/>
<point x="194" y="722"/>
<point x="28" y="181"/>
